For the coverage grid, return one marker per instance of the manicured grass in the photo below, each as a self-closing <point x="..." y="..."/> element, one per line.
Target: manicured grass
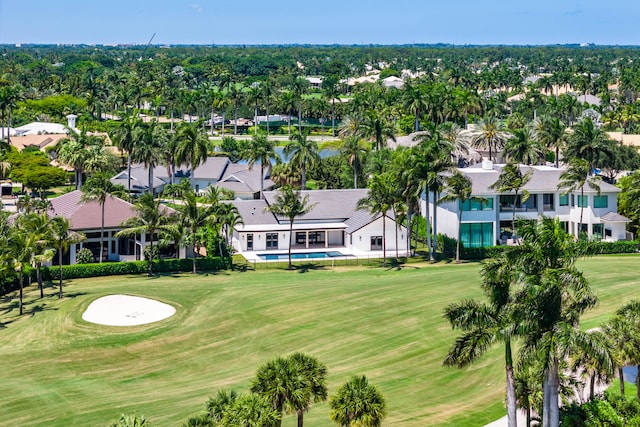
<point x="58" y="370"/>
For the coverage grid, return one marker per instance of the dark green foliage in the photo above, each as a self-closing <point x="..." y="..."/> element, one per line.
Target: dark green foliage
<point x="42" y="178"/>
<point x="446" y="245"/>
<point x="84" y="256"/>
<point x="608" y="411"/>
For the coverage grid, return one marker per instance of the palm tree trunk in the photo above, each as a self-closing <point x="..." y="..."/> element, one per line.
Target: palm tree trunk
<point x="459" y="234"/>
<point x="150" y="270"/>
<point x="300" y="118"/>
<point x="267" y="118"/>
<point x="428" y="224"/>
<point x="290" y="233"/>
<point x="333" y="117"/>
<point x="21" y="281"/>
<point x="235" y="117"/>
<point x="60" y="269"/>
<point x="129" y="172"/>
<point x="193" y="265"/>
<point x="300" y="418"/>
<point x="39" y="277"/>
<point x="546" y="410"/>
<point x="395" y="220"/>
<point x="592" y="387"/>
<point x="621" y="376"/>
<point x="554" y="409"/>
<point x="435" y="224"/>
<point x="102" y="232"/>
<point x="557" y="156"/>
<point x="384" y="241"/>
<point x="261" y="180"/>
<point x="512" y="419"/>
<point x="581" y="210"/>
<point x="513" y="216"/>
<point x="303" y="172"/>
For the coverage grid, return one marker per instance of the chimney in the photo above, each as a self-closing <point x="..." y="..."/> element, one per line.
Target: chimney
<point x="71" y="120"/>
<point x="487" y="165"/>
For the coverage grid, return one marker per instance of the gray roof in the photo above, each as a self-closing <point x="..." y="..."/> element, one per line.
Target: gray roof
<point x="614" y="217"/>
<point x="253" y="212"/>
<point x="330" y="205"/>
<point x="239" y="178"/>
<point x="543" y="179"/>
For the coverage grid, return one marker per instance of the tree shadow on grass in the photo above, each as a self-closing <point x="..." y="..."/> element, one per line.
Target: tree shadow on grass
<point x="306" y="267"/>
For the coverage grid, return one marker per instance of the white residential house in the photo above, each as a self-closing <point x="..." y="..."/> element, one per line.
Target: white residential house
<point x="334" y="223"/>
<point x="487" y="216"/>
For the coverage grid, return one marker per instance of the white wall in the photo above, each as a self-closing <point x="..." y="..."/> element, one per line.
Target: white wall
<point x="361" y="239"/>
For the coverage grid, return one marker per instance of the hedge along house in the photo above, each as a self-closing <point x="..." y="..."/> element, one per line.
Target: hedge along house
<point x="487" y="216"/>
<point x="86" y="218"/>
<point x="334" y="223"/>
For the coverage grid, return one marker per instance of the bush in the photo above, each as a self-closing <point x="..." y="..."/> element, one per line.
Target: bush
<point x="447" y="246"/>
<point x="84" y="256"/>
<point x="620" y="247"/>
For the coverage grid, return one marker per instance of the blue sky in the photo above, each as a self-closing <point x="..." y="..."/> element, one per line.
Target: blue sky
<point x="321" y="21"/>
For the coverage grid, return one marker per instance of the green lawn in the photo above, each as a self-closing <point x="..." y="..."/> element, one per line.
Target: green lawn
<point x="58" y="370"/>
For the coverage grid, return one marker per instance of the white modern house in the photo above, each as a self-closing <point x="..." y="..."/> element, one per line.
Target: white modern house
<point x="487" y="216"/>
<point x="333" y="224"/>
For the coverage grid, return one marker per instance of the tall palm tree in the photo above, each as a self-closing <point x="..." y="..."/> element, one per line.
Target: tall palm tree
<point x="151" y="144"/>
<point x="303" y="153"/>
<point x="192" y="146"/>
<point x="483" y="324"/>
<point x="379" y="200"/>
<point x="511" y="179"/>
<point x="551" y="132"/>
<point x="260" y="150"/>
<point x="556" y="295"/>
<point x="150" y="219"/>
<point x="19" y="252"/>
<point x="194" y="217"/>
<point x="491" y="136"/>
<point x="577" y="176"/>
<point x="98" y="188"/>
<point x="623" y="333"/>
<point x="524" y="147"/>
<point x="414" y="101"/>
<point x="376" y="128"/>
<point x="314" y="374"/>
<point x="62" y="238"/>
<point x="74" y="151"/>
<point x="299" y="87"/>
<point x="279" y="383"/>
<point x="457" y="188"/>
<point x="352" y="148"/>
<point x="589" y="143"/>
<point x="357" y="403"/>
<point x="291" y="205"/>
<point x="10" y="95"/>
<point x="37" y="224"/>
<point x="251" y="410"/>
<point x="124" y="138"/>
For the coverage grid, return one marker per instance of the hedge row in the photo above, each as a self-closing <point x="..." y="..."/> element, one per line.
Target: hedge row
<point x="620" y="247"/>
<point x="78" y="271"/>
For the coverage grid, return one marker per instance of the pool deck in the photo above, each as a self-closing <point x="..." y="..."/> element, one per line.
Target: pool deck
<point x="253" y="256"/>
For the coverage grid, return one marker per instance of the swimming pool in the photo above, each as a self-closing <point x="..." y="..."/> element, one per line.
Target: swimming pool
<point x="304" y="255"/>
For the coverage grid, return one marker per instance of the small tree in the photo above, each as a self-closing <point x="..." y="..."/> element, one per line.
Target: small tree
<point x="62" y="238"/>
<point x="291" y="205"/>
<point x="357" y="403"/>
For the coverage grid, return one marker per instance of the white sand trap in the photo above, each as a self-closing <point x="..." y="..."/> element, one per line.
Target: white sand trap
<point x="125" y="310"/>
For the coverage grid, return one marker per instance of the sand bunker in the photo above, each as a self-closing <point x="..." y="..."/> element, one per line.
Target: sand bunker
<point x="126" y="310"/>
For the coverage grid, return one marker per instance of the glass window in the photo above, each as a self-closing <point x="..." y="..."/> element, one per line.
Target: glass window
<point x="548" y="202"/>
<point x="600" y="202"/>
<point x="477" y="234"/>
<point x="564" y="200"/>
<point x="573" y="200"/>
<point x="583" y="201"/>
<point x="272" y="240"/>
<point x="596" y="230"/>
<point x="376" y="243"/>
<point x="478" y="204"/>
<point x="250" y="241"/>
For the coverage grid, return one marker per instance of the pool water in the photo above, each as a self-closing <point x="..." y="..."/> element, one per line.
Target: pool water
<point x="304" y="255"/>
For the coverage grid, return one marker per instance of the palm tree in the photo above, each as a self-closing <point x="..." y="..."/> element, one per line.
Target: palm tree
<point x="491" y="136"/>
<point x="124" y="138"/>
<point x="414" y="101"/>
<point x="551" y="133"/>
<point x="523" y="147"/>
<point x="302" y="153"/>
<point x="194" y="217"/>
<point x="98" y="188"/>
<point x="511" y="179"/>
<point x="73" y="151"/>
<point x="62" y="238"/>
<point x="376" y="128"/>
<point x="353" y="149"/>
<point x="150" y="219"/>
<point x="624" y="338"/>
<point x="19" y="252"/>
<point x="484" y="324"/>
<point x="37" y="225"/>
<point x="260" y="150"/>
<point x="357" y="403"/>
<point x="589" y="365"/>
<point x="589" y="143"/>
<point x="556" y="295"/>
<point x="458" y="188"/>
<point x="299" y="87"/>
<point x="10" y="95"/>
<point x="577" y="176"/>
<point x="291" y="205"/>
<point x="314" y="374"/>
<point x="151" y="143"/>
<point x="251" y="410"/>
<point x="379" y="201"/>
<point x="192" y="146"/>
<point x="126" y="420"/>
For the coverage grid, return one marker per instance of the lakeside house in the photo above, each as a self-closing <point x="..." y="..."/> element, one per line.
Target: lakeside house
<point x="487" y="216"/>
<point x="334" y="223"/>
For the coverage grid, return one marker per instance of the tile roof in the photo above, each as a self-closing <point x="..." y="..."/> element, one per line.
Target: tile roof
<point x="614" y="217"/>
<point x="88" y="215"/>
